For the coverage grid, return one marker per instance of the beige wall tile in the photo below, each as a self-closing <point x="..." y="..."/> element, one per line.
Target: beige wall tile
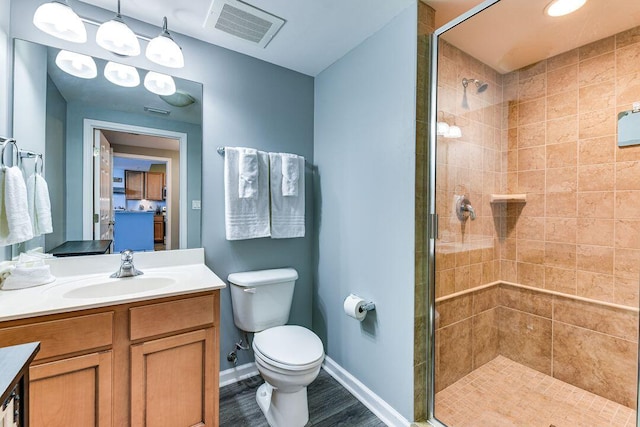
<point x="561" y="130"/>
<point x="596" y="204"/>
<point x="531" y="111"/>
<point x="628" y="37"/>
<point x="532" y="70"/>
<point x="627" y="174"/>
<point x="561" y="255"/>
<point x="529" y="301"/>
<point x="627" y="59"/>
<point x="597" y="259"/>
<point x="599" y="363"/>
<point x="454" y="346"/>
<point x="596" y="70"/>
<point x="597" y="317"/>
<point x="562" y="79"/>
<point x="462" y="278"/>
<point x="560" y="230"/>
<point x="564" y="59"/>
<point x="597" y="150"/>
<point x="454" y="310"/>
<point x="529" y="135"/>
<point x="560" y="280"/>
<point x="525" y="338"/>
<point x="562" y="104"/>
<point x="562" y="155"/>
<point x="532" y="87"/>
<point x="531" y="158"/>
<point x="594" y="231"/>
<point x="531" y="251"/>
<point x="596" y="48"/>
<point x="561" y="180"/>
<point x="597" y="123"/>
<point x="625" y="291"/>
<point x="597" y="97"/>
<point x="485" y="337"/>
<point x="595" y="285"/>
<point x="531" y="182"/>
<point x="485" y="299"/>
<point x="627" y="234"/>
<point x="530" y="274"/>
<point x="531" y="228"/>
<point x="627" y="264"/>
<point x="627" y="89"/>
<point x="627" y="204"/>
<point x="561" y="205"/>
<point x="596" y="177"/>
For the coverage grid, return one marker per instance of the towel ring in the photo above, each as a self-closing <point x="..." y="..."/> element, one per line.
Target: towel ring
<point x="35" y="165"/>
<point x="15" y="151"/>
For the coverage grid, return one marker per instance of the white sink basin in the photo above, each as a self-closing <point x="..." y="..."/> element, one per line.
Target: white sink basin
<point x="117" y="287"/>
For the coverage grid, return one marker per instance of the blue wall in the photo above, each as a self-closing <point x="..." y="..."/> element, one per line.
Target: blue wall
<point x="55" y="153"/>
<point x="246" y="102"/>
<point x="364" y="149"/>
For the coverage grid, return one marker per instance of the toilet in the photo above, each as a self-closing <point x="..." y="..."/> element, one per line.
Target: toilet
<point x="287" y="356"/>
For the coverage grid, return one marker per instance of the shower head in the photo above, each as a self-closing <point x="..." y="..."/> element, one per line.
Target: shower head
<point x="480" y="85"/>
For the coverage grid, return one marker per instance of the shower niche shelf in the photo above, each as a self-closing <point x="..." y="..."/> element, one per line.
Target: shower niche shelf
<point x="508" y="198"/>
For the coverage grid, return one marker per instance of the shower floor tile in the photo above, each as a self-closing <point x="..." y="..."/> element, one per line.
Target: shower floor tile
<point x="503" y="393"/>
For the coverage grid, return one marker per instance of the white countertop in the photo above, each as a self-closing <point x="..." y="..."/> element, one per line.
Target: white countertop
<point x="169" y="273"/>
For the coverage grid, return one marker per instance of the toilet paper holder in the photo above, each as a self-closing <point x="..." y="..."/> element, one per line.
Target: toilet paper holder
<point x="367" y="307"/>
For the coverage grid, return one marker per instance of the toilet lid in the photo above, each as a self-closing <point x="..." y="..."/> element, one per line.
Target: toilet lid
<point x="290" y="345"/>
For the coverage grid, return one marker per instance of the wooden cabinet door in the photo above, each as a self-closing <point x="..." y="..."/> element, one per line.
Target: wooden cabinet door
<point x="174" y="381"/>
<point x="158" y="234"/>
<point x="134" y="185"/>
<point x="153" y="185"/>
<point x="71" y="392"/>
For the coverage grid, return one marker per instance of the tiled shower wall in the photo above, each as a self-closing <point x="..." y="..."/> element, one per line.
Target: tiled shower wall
<point x="577" y="234"/>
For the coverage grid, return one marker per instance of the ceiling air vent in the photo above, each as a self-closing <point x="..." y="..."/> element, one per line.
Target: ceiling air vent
<point x="242" y="20"/>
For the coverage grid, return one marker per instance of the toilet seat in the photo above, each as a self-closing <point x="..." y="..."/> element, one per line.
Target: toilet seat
<point x="289" y="347"/>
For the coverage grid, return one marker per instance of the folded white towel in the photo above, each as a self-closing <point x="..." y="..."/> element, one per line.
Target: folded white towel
<point x="15" y="224"/>
<point x="290" y="174"/>
<point x="247" y="172"/>
<point x="287" y="212"/>
<point x="39" y="204"/>
<point x="245" y="218"/>
<point x="26" y="277"/>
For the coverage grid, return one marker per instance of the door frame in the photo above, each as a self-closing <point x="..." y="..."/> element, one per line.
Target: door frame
<point x="90" y="157"/>
<point x="167" y="161"/>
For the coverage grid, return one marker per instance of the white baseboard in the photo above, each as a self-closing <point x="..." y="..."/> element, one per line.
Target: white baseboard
<point x="238" y="373"/>
<point x="372" y="401"/>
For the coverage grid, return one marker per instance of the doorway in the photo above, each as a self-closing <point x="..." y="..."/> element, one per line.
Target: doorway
<point x="153" y="146"/>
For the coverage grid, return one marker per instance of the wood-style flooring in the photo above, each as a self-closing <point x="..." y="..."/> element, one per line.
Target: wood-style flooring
<point x="330" y="405"/>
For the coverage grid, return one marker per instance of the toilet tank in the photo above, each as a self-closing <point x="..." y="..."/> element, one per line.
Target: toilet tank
<point x="262" y="299"/>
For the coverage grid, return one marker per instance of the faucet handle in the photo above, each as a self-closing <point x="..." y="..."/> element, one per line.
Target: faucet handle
<point x="126" y="255"/>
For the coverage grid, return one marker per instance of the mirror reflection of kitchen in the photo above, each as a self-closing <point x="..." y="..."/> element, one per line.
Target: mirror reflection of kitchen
<point x="135" y="190"/>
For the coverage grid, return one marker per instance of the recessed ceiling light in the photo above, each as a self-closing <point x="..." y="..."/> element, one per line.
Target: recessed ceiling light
<point x="563" y="7"/>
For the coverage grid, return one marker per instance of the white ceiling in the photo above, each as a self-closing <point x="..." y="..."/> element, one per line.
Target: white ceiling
<point x="145" y="141"/>
<point x="315" y="35"/>
<point x="514" y="33"/>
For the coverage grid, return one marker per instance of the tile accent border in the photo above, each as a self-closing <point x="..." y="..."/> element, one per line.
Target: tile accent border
<point x="372" y="401"/>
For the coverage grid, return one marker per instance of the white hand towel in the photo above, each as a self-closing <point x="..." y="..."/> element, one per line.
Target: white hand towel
<point x="247" y="173"/>
<point x="245" y="218"/>
<point x="287" y="212"/>
<point x="39" y="204"/>
<point x="26" y="277"/>
<point x="14" y="212"/>
<point x="290" y="174"/>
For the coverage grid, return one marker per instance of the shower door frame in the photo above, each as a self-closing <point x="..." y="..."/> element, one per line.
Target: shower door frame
<point x="432" y="222"/>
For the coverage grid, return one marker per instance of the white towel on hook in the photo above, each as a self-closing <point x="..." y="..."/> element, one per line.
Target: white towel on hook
<point x="287" y="212"/>
<point x="39" y="204"/>
<point x="245" y="218"/>
<point x="290" y="174"/>
<point x="247" y="173"/>
<point x="15" y="223"/>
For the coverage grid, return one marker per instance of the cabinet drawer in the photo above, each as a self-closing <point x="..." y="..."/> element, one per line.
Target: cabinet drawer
<point x="173" y="316"/>
<point x="65" y="336"/>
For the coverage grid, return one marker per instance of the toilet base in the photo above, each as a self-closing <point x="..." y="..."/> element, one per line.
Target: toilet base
<point x="283" y="409"/>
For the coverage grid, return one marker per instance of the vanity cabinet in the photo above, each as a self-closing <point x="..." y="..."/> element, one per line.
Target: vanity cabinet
<point x="148" y="363"/>
<point x="158" y="229"/>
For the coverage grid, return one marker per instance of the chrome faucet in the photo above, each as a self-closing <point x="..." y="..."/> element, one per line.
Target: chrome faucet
<point x="462" y="207"/>
<point x="126" y="265"/>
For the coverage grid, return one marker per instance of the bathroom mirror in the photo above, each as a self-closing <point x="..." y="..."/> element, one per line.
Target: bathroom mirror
<point x="628" y="128"/>
<point x="58" y="114"/>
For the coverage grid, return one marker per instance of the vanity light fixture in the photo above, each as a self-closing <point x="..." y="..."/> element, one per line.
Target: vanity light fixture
<point x="117" y="37"/>
<point x="178" y="99"/>
<point x="160" y="84"/>
<point x="59" y="20"/>
<point x="121" y="75"/>
<point x="76" y="64"/>
<point x="563" y="7"/>
<point x="164" y="51"/>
